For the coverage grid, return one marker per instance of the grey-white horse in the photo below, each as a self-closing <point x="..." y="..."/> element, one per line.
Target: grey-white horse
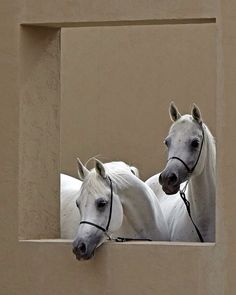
<point x="190" y="169"/>
<point x="112" y="202"/>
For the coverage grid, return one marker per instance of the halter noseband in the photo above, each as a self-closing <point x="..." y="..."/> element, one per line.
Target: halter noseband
<point x="182" y="192"/>
<point x="110" y="213"/>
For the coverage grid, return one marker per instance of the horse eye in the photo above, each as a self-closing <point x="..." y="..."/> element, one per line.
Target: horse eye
<point x="101" y="203"/>
<point x="77" y="205"/>
<point x="195" y="143"/>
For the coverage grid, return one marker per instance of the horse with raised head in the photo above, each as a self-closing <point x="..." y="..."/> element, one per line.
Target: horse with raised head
<point x="186" y="186"/>
<point x="112" y="203"/>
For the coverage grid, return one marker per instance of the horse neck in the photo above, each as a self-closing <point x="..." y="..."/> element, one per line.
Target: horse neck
<point x="201" y="193"/>
<point x="143" y="218"/>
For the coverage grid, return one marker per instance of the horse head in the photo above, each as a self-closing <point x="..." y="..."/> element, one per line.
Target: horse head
<point x="186" y="149"/>
<point x="100" y="208"/>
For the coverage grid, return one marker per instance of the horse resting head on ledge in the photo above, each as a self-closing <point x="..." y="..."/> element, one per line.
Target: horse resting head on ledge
<point x="112" y="202"/>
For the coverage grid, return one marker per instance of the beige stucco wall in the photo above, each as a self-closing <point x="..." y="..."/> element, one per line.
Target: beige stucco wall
<point x="117" y="83"/>
<point x="48" y="267"/>
<point x="39" y="138"/>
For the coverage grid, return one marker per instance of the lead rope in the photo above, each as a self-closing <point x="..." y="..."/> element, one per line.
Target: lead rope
<point x="187" y="204"/>
<point x="121" y="240"/>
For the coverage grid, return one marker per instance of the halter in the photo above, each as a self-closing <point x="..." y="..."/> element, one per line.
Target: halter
<point x="105" y="229"/>
<point x="190" y="170"/>
<point x="182" y="192"/>
<point x="110" y="213"/>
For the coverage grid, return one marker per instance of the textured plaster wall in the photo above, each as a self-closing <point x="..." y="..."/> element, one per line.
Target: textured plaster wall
<point x="39" y="133"/>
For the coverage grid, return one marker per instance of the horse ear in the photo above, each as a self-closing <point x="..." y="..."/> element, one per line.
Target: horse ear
<point x="196" y="113"/>
<point x="82" y="170"/>
<point x="100" y="169"/>
<point x="174" y="113"/>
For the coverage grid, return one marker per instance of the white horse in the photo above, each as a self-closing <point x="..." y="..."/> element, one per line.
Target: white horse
<point x="69" y="213"/>
<point x="70" y="216"/>
<point x="190" y="168"/>
<point x="113" y="202"/>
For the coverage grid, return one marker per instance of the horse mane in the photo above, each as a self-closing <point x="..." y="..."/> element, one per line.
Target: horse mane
<point x="211" y="147"/>
<point x="116" y="171"/>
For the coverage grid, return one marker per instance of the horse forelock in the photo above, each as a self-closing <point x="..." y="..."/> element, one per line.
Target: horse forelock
<point x="188" y="118"/>
<point x="182" y="120"/>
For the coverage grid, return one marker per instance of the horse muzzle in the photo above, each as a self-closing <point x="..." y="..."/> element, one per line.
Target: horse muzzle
<point x="83" y="250"/>
<point x="84" y="247"/>
<point x="170" y="182"/>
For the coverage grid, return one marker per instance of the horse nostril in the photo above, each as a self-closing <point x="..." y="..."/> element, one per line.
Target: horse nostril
<point x="160" y="179"/>
<point x="173" y="178"/>
<point x="79" y="248"/>
<point x="82" y="248"/>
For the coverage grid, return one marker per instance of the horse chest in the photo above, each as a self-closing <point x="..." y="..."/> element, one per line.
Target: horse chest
<point x="179" y="223"/>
